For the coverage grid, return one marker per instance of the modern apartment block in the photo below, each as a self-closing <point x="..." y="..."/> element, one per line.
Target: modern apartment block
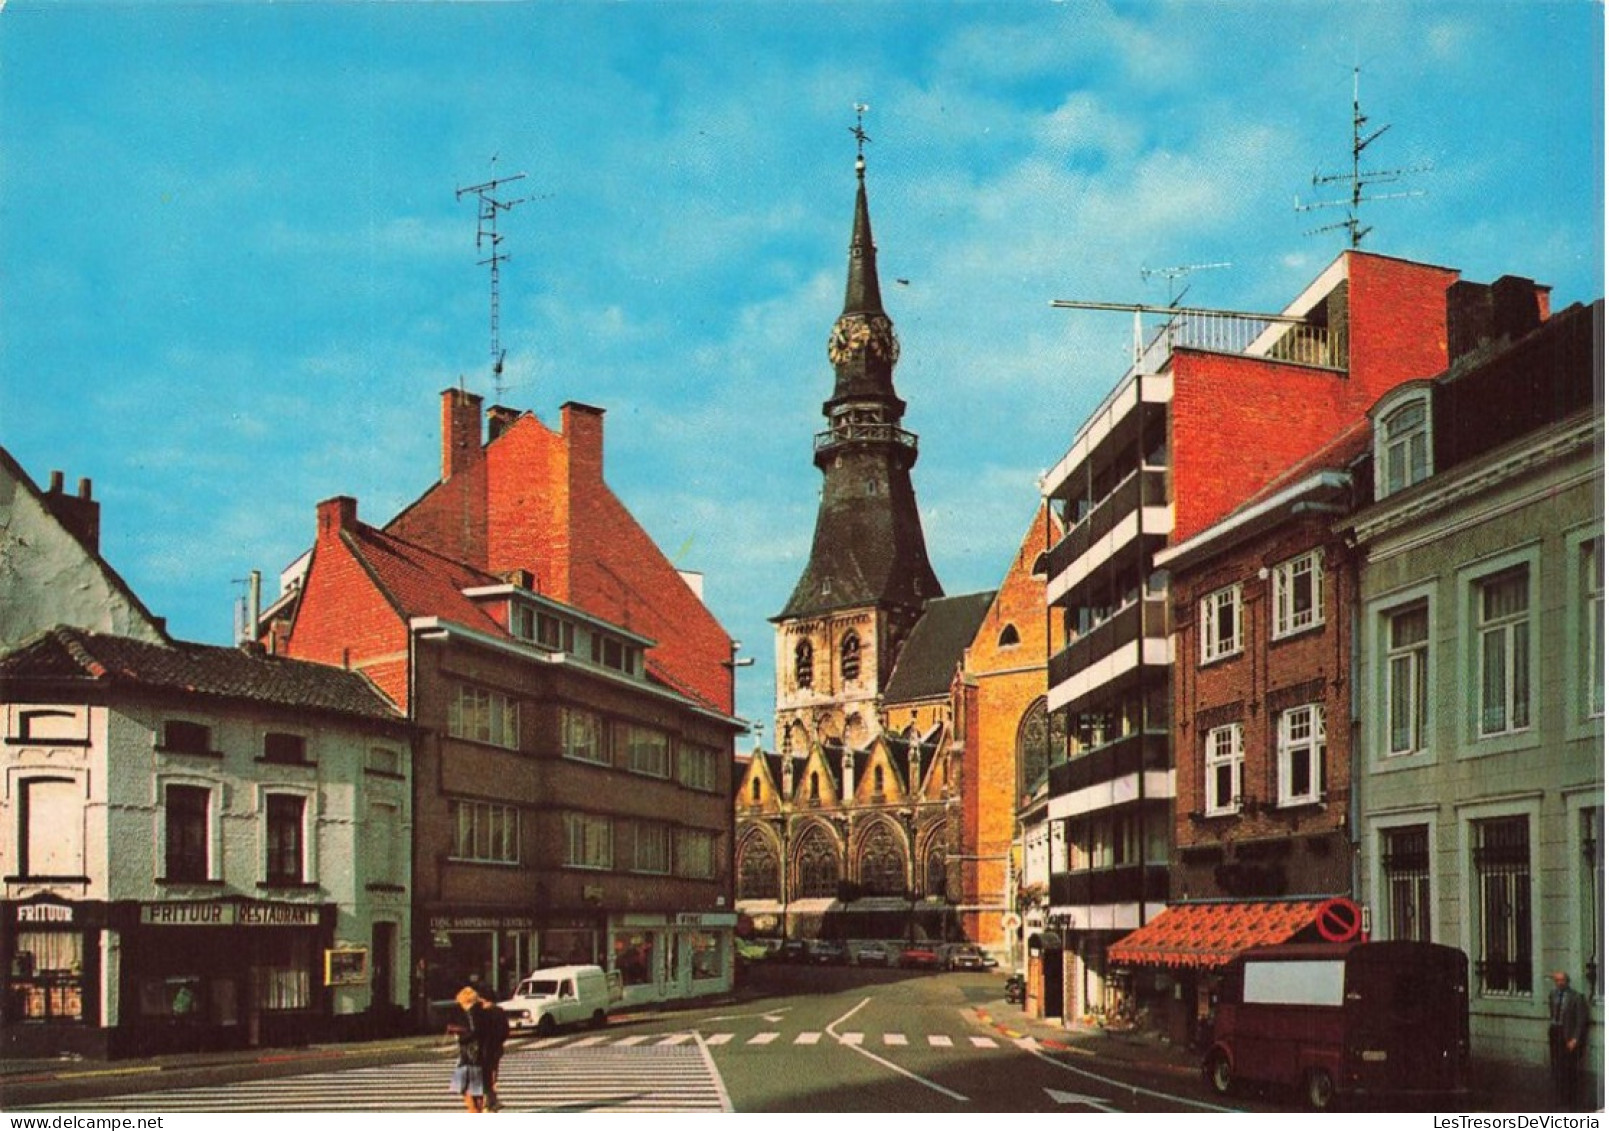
<point x="1215" y="406"/>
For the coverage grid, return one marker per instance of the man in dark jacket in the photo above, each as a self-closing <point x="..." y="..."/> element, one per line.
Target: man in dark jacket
<point x="1567" y="1039"/>
<point x="494" y="1035"/>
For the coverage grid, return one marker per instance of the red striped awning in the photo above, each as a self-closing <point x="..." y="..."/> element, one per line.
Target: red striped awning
<point x="1210" y="934"/>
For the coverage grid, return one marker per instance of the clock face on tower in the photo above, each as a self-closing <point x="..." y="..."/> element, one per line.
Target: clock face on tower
<point x="856" y="334"/>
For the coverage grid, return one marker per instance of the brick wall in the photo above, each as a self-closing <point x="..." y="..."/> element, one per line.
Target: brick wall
<point x="1307" y="846"/>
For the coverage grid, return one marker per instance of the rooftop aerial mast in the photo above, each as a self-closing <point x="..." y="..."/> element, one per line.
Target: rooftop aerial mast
<point x="488" y="241"/>
<point x="1358" y="179"/>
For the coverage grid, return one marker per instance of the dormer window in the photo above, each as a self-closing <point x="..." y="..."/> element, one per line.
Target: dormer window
<point x="1402" y="446"/>
<point x="612" y="653"/>
<point x="544" y="629"/>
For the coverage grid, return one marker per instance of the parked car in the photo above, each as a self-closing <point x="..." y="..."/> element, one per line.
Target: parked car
<point x="919" y="956"/>
<point x="827" y="952"/>
<point x="871" y="954"/>
<point x="794" y="950"/>
<point x="964" y="956"/>
<point x="563" y="995"/>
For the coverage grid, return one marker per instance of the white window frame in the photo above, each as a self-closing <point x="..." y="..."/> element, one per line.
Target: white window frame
<point x="1301" y="733"/>
<point x="1213" y="646"/>
<point x="1388" y="446"/>
<point x="647" y="750"/>
<point x="1225" y="746"/>
<point x="589" y="841"/>
<point x="695" y="853"/>
<point x="650" y="848"/>
<point x="698" y="767"/>
<point x="582" y="736"/>
<point x="1290" y="579"/>
<point x="1510" y="637"/>
<point x="1584" y="630"/>
<point x="484" y="832"/>
<point x="483" y="714"/>
<point x="1413" y="659"/>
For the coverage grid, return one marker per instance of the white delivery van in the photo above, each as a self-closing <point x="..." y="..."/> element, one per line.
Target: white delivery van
<point x="563" y="995"/>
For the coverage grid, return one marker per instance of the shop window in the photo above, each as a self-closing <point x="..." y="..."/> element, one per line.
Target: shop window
<point x="569" y="947"/>
<point x="188" y="820"/>
<point x="178" y="997"/>
<point x="286" y="749"/>
<point x="634" y="957"/>
<point x="287" y="958"/>
<point x="287" y="841"/>
<point x="51" y="828"/>
<point x="704" y="951"/>
<point x="46" y="979"/>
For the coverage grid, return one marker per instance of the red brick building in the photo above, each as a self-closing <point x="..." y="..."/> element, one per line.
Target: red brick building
<point x="575" y="720"/>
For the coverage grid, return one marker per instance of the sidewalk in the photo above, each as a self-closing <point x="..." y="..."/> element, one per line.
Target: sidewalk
<point x="1138" y="1047"/>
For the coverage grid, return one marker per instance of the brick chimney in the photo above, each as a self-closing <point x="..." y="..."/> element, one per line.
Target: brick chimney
<point x="81" y="515"/>
<point x="1479" y="314"/>
<point x="460" y="431"/>
<point x="336" y="515"/>
<point x="498" y="420"/>
<point x="583" y="434"/>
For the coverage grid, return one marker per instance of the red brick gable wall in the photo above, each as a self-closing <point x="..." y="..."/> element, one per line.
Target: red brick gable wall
<point x="1237" y="423"/>
<point x="450" y="518"/>
<point x="344" y="619"/>
<point x="1398" y="325"/>
<point x="536" y="500"/>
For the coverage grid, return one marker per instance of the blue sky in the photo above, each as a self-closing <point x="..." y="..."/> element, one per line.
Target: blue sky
<point x="234" y="274"/>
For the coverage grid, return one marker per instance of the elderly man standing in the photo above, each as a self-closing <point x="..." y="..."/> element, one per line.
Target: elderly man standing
<point x="1567" y="1039"/>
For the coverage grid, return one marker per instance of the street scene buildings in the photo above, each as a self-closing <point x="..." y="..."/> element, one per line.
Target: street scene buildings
<point x="1300" y="641"/>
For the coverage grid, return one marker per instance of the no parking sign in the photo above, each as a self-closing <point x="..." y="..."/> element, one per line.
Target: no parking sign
<point x="1339" y="920"/>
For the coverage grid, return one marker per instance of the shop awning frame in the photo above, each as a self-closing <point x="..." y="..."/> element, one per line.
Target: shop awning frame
<point x="1207" y="935"/>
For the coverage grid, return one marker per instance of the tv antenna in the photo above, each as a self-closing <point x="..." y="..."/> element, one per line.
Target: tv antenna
<point x="1359" y="179"/>
<point x="488" y="240"/>
<point x="1174" y="274"/>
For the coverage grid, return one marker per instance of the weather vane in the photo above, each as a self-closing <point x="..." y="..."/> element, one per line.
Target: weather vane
<point x="861" y="136"/>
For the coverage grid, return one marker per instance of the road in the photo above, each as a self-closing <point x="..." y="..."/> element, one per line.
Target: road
<point x="799" y="1039"/>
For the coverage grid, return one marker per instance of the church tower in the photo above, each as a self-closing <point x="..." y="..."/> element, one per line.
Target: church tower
<point x="868" y="577"/>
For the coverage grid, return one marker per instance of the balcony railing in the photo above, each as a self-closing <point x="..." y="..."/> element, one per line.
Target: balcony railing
<point x="1147" y="617"/>
<point x="1128" y="756"/>
<point x="1147" y="487"/>
<point x="1133" y="883"/>
<point x="865" y="433"/>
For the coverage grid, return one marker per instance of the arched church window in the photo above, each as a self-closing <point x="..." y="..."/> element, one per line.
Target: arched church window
<point x="804" y="664"/>
<point x="1041" y="743"/>
<point x="818" y="866"/>
<point x="938" y="884"/>
<point x="759" y="872"/>
<point x="1009" y="636"/>
<point x="849" y="657"/>
<point x="882" y="863"/>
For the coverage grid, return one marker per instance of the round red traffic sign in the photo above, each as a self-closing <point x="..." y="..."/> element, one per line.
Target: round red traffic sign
<point x="1339" y="920"/>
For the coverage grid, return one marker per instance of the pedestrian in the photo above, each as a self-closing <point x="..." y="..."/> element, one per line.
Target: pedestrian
<point x="1567" y="1039"/>
<point x="469" y="1079"/>
<point x="494" y="1036"/>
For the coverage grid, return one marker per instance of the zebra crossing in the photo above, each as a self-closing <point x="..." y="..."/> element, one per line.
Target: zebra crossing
<point x="616" y="1077"/>
<point x="806" y="1038"/>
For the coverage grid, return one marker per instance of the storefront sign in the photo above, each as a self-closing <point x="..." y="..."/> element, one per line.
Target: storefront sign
<point x="220" y="913"/>
<point x="349" y="967"/>
<point x="481" y="923"/>
<point x="708" y="919"/>
<point x="44" y="913"/>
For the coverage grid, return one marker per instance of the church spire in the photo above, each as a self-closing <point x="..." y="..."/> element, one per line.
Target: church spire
<point x="868" y="549"/>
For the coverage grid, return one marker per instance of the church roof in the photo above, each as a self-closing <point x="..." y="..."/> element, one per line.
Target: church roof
<point x="931" y="654"/>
